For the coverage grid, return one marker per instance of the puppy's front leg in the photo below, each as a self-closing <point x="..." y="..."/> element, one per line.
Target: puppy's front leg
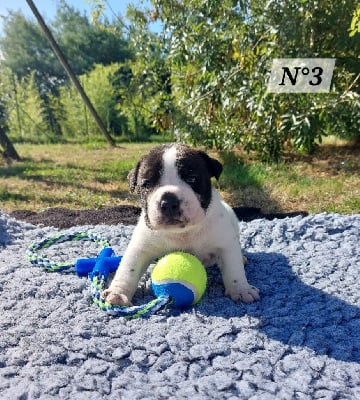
<point x="233" y="273"/>
<point x="126" y="279"/>
<point x="136" y="259"/>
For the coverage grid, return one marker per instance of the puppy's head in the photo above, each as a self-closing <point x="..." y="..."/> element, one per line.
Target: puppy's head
<point x="174" y="185"/>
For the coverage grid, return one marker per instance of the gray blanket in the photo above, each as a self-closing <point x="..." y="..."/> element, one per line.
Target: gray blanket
<point x="301" y="341"/>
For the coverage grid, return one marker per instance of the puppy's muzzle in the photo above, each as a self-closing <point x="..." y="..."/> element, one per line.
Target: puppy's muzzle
<point x="170" y="206"/>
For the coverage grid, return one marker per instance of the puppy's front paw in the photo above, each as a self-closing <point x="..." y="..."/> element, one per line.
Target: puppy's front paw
<point x="114" y="298"/>
<point x="247" y="294"/>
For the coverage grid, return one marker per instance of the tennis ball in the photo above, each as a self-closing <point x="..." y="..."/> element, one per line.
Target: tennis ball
<point x="181" y="276"/>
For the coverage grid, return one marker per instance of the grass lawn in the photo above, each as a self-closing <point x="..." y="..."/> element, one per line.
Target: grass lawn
<point x="94" y="176"/>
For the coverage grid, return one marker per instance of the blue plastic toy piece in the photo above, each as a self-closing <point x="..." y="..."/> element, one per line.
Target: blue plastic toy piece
<point x="104" y="264"/>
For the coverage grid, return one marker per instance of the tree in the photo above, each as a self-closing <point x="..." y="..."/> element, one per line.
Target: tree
<point x="8" y="148"/>
<point x="25" y="47"/>
<point x="220" y="54"/>
<point x="82" y="43"/>
<point x="26" y="115"/>
<point x="5" y="143"/>
<point x="86" y="44"/>
<point x="72" y="114"/>
<point x="144" y="84"/>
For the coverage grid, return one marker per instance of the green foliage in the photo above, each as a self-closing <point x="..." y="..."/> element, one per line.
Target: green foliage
<point x="25" y="47"/>
<point x="72" y="113"/>
<point x="148" y="93"/>
<point x="131" y="104"/>
<point x="86" y="44"/>
<point x="355" y="23"/>
<point x="26" y="112"/>
<point x="63" y="115"/>
<point x="113" y="91"/>
<point x="220" y="55"/>
<point x="219" y="78"/>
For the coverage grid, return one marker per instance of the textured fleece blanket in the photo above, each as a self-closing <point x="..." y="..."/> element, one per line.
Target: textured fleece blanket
<point x="300" y="341"/>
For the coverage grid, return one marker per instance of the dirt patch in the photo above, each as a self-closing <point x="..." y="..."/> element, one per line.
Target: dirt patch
<point x="128" y="215"/>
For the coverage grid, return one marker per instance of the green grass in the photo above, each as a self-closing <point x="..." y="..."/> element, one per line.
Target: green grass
<point x="67" y="175"/>
<point x="94" y="176"/>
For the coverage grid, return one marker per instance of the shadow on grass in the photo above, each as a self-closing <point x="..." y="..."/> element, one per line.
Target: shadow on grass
<point x="6" y="195"/>
<point x="245" y="185"/>
<point x="49" y="171"/>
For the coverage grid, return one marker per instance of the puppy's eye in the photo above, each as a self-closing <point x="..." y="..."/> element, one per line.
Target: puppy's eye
<point x="190" y="179"/>
<point x="146" y="184"/>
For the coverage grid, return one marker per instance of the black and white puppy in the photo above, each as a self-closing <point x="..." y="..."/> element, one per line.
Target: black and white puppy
<point x="181" y="211"/>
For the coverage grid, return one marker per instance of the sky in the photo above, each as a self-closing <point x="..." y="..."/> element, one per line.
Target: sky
<point x="47" y="8"/>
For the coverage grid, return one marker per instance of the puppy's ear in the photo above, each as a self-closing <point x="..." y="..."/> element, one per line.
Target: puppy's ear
<point x="132" y="177"/>
<point x="214" y="166"/>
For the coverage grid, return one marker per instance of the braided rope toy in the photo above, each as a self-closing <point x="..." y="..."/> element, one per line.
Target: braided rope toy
<point x="43" y="262"/>
<point x="98" y="277"/>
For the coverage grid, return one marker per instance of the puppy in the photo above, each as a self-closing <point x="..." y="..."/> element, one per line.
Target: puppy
<point x="181" y="212"/>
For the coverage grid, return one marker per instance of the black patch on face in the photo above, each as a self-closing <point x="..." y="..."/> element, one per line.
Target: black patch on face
<point x="147" y="173"/>
<point x="145" y="177"/>
<point x="196" y="168"/>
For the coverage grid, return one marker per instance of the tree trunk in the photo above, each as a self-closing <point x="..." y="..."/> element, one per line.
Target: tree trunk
<point x="9" y="149"/>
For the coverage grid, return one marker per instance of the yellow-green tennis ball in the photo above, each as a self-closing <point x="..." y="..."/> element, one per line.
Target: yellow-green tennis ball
<point x="181" y="276"/>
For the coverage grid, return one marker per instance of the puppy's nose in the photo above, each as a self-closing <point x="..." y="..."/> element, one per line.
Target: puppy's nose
<point x="169" y="205"/>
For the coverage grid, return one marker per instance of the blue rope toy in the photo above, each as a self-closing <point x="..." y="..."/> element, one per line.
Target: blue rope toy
<point x="98" y="270"/>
